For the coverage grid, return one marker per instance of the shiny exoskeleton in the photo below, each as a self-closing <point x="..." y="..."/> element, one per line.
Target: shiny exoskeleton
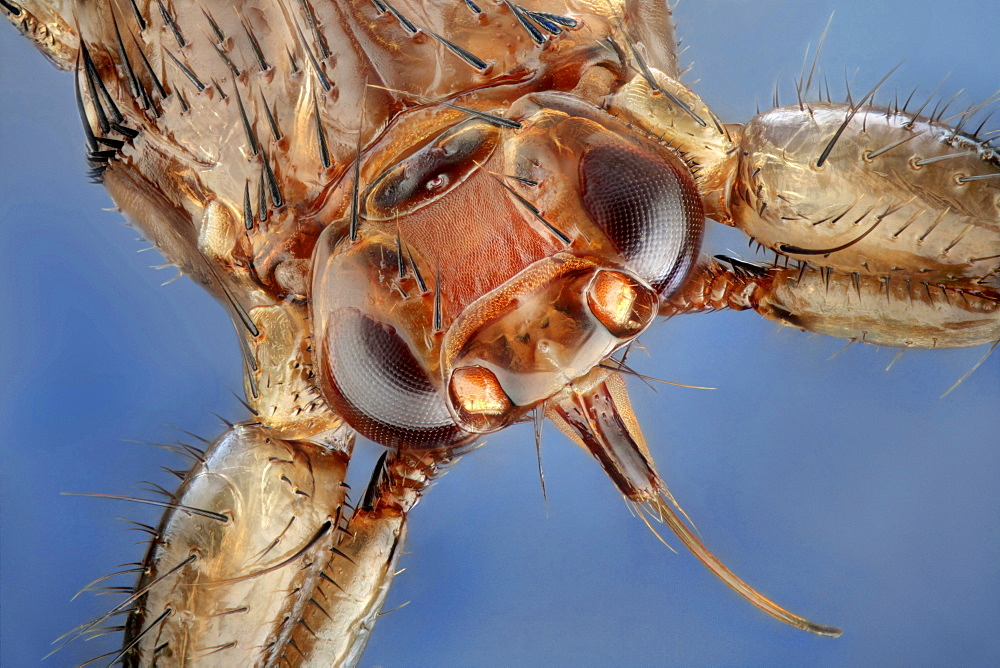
<point x="430" y="221"/>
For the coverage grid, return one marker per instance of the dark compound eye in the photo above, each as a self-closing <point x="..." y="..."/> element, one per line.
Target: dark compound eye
<point x="649" y="207"/>
<point x="375" y="383"/>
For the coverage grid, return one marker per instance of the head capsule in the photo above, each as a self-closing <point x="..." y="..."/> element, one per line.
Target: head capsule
<point x="493" y="266"/>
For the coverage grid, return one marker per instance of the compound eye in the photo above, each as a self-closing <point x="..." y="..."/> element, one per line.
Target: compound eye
<point x="381" y="390"/>
<point x="649" y="207"/>
<point x="432" y="171"/>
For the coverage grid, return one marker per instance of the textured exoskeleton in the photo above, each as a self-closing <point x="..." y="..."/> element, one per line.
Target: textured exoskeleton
<point x="429" y="220"/>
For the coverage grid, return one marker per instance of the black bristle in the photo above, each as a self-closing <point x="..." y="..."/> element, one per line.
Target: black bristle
<point x="438" y="317"/>
<point x="324" y="81"/>
<point x="400" y="262"/>
<point x="113" y="143"/>
<point x="157" y="84"/>
<point x="229" y="63"/>
<point x="255" y="45"/>
<point x="272" y="123"/>
<point x="247" y="128"/>
<point x="536" y="35"/>
<point x="95" y="78"/>
<point x="355" y="216"/>
<point x="139" y="18"/>
<point x="551" y="23"/>
<point x="403" y="21"/>
<point x="87" y="129"/>
<point x="169" y="21"/>
<point x="467" y="56"/>
<point x="293" y="66"/>
<point x="247" y="209"/>
<point x="125" y="130"/>
<point x="416" y="272"/>
<point x="307" y="9"/>
<point x="215" y="26"/>
<point x="272" y="183"/>
<point x="558" y="19"/>
<point x="138" y="90"/>
<point x="188" y="73"/>
<point x="324" y="150"/>
<point x="261" y="200"/>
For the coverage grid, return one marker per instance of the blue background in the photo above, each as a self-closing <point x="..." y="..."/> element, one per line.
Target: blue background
<point x="852" y="495"/>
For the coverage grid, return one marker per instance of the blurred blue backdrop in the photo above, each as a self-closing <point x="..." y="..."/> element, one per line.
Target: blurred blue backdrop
<point x="849" y="494"/>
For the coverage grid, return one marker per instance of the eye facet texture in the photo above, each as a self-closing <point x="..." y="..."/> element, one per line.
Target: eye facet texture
<point x="649" y="208"/>
<point x="381" y="389"/>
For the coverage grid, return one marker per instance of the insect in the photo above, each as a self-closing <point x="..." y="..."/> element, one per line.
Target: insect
<point x="660" y="569"/>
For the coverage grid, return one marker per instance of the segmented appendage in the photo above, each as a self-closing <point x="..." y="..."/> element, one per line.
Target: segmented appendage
<point x="259" y="562"/>
<point x="885" y="221"/>
<point x="428" y="220"/>
<point x="210" y="578"/>
<point x="894" y="218"/>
